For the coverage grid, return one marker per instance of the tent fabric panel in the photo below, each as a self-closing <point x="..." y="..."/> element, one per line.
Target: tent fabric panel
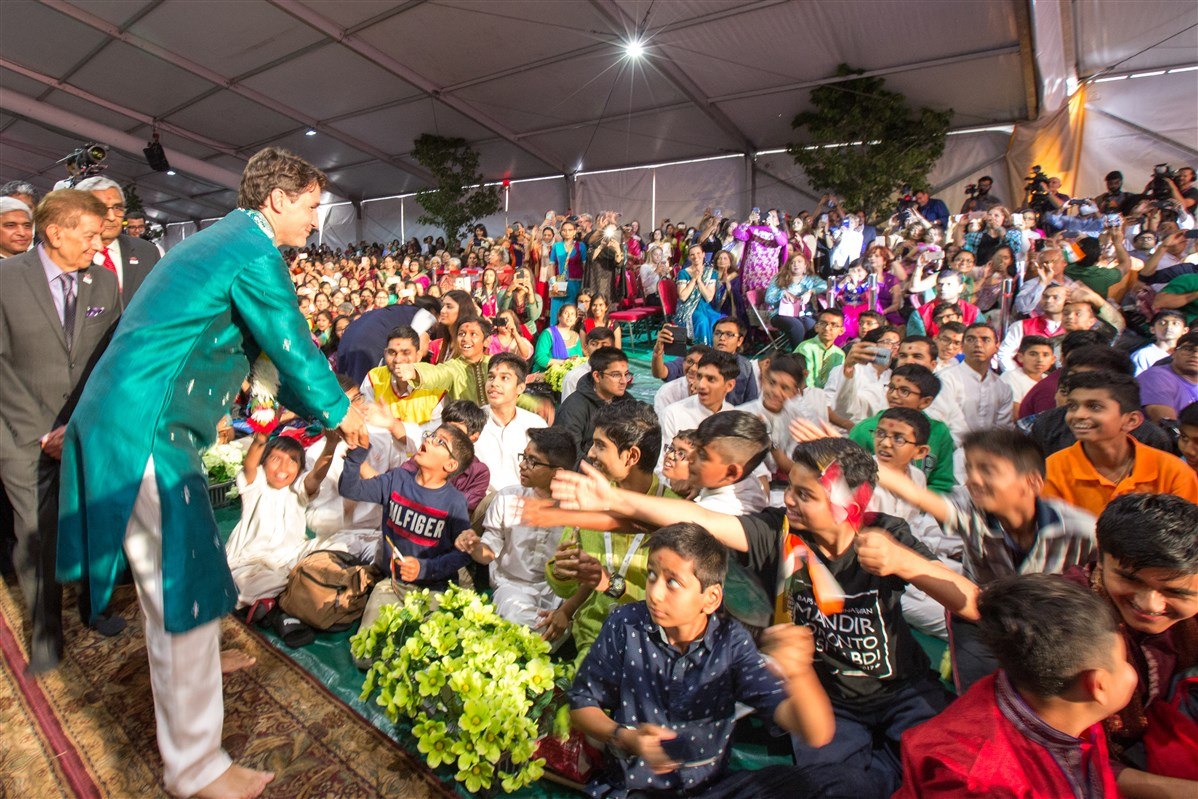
<point x="1165" y="104"/>
<point x="395" y="128"/>
<point x="629" y="191"/>
<point x="25" y="42"/>
<point x="330" y="81"/>
<point x="111" y="74"/>
<point x="260" y="34"/>
<point x="684" y="191"/>
<point x="1111" y="31"/>
<point x="231" y="118"/>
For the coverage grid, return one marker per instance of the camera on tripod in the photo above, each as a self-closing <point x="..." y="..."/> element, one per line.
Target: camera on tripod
<point x="85" y="162"/>
<point x="1035" y="186"/>
<point x="1159" y="189"/>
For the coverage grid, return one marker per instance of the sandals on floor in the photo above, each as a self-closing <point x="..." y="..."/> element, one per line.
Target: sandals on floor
<point x="257" y="612"/>
<point x="293" y="631"/>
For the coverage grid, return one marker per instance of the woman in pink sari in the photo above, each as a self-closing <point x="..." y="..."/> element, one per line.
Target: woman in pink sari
<point x="765" y="249"/>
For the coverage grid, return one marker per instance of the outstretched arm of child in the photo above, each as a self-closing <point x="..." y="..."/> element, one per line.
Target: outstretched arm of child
<point x="320" y="469"/>
<point x="253" y="456"/>
<point x="472" y="545"/>
<point x="590" y="491"/>
<point x="905" y="488"/>
<point x="878" y="553"/>
<point x="807" y="710"/>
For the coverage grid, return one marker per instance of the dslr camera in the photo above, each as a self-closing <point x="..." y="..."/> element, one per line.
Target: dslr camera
<point x="1158" y="189"/>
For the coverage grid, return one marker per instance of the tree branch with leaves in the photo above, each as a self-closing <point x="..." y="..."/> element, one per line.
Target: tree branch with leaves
<point x="459" y="198"/>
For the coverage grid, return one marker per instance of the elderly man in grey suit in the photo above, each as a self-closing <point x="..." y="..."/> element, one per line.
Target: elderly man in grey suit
<point x="127" y="257"/>
<point x="57" y="314"/>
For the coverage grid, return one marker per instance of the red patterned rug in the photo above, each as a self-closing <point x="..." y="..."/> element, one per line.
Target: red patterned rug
<point x="87" y="729"/>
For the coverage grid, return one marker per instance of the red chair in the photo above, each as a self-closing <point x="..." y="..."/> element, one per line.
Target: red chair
<point x="641" y="316"/>
<point x="776" y="339"/>
<point x="667" y="291"/>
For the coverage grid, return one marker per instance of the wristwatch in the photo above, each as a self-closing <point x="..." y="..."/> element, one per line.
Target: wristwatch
<point x="617" y="586"/>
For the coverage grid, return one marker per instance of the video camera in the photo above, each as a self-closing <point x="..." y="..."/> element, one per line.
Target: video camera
<point x="85" y="162"/>
<point x="971" y="190"/>
<point x="906" y="204"/>
<point x="1158" y="189"/>
<point x="1035" y="186"/>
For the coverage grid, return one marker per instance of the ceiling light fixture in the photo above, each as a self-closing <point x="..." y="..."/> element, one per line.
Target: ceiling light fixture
<point x="170" y="171"/>
<point x="310" y="132"/>
<point x="634" y="48"/>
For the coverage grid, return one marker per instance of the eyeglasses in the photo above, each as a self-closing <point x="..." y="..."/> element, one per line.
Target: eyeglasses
<point x="899" y="440"/>
<point x="902" y="391"/>
<point x="118" y="209"/>
<point x="431" y="436"/>
<point x="625" y="376"/>
<point x="727" y="333"/>
<point x="358" y="399"/>
<point x="822" y="323"/>
<point x="681" y="453"/>
<point x="531" y="462"/>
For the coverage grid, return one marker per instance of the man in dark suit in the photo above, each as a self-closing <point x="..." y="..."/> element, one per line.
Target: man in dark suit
<point x="56" y="316"/>
<point x="129" y="258"/>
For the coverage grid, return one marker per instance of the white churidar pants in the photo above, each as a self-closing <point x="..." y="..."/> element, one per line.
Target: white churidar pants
<point x="184" y="667"/>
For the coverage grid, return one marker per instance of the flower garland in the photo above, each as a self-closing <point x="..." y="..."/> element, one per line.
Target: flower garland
<point x="556" y="373"/>
<point x="479" y="691"/>
<point x="264" y="388"/>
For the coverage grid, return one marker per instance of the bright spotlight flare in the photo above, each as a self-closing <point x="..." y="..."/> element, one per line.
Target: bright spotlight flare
<point x="634" y="48"/>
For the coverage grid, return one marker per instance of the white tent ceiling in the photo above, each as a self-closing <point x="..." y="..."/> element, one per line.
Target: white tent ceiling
<point x="539" y="87"/>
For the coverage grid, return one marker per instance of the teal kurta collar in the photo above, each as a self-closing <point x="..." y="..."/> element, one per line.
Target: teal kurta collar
<point x="261" y="221"/>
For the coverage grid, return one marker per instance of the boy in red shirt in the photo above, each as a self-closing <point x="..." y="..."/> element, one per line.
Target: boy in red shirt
<point x="1033" y="728"/>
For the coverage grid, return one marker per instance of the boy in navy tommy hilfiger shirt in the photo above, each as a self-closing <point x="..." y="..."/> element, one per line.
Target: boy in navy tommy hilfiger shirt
<point x="424" y="513"/>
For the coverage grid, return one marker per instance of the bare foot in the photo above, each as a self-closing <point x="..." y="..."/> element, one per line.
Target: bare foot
<point x="232" y="660"/>
<point x="236" y="783"/>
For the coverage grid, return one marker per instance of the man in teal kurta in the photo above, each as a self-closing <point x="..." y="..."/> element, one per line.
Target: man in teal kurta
<point x="133" y="487"/>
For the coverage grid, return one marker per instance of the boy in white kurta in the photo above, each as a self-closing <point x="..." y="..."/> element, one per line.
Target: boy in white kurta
<point x="517" y="552"/>
<point x="272" y="536"/>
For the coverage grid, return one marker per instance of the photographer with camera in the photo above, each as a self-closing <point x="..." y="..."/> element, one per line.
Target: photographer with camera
<point x="1087" y="220"/>
<point x="931" y="210"/>
<point x="980" y="198"/>
<point x="1115" y="198"/>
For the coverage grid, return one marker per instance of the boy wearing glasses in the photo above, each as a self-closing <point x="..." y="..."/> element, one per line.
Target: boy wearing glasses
<point x="423" y="516"/>
<point x="517" y="553"/>
<point x="914" y="386"/>
<point x="606" y="384"/>
<point x="821" y="353"/>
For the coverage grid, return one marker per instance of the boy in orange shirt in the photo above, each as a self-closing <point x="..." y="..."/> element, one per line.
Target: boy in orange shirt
<point x="1102" y="408"/>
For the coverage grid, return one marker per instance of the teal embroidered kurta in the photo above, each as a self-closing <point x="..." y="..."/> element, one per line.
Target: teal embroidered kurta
<point x="179" y="356"/>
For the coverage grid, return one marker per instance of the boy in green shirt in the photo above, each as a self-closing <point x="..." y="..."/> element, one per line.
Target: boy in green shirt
<point x="595" y="571"/>
<point x="819" y="353"/>
<point x="914" y="386"/>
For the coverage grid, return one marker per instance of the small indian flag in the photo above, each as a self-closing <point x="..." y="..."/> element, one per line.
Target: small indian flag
<point x="829" y="596"/>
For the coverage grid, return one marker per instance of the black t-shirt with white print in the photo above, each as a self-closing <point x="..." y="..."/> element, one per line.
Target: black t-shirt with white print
<point x="867" y="651"/>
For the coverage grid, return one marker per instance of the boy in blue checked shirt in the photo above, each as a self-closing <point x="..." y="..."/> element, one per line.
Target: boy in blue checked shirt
<point x="661" y="683"/>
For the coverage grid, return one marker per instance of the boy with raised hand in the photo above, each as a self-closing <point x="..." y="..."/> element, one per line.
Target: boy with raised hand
<point x="914" y="386"/>
<point x="877" y="676"/>
<point x="423" y="517"/>
<point x="1102" y="408"/>
<point x="597" y="565"/>
<point x="675" y="645"/>
<point x="1005" y="525"/>
<point x="518" y="553"/>
<point x="1147" y="569"/>
<point x="1035" y="727"/>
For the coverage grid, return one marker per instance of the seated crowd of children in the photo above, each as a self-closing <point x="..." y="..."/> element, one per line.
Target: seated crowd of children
<point x="700" y="560"/>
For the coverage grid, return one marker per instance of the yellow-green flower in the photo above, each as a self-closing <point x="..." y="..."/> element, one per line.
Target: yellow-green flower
<point x="475" y="715"/>
<point x="477" y="777"/>
<point x="433" y="743"/>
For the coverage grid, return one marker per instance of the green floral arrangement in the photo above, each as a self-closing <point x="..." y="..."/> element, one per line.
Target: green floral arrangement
<point x="556" y="373"/>
<point x="223" y="462"/>
<point x="479" y="691"/>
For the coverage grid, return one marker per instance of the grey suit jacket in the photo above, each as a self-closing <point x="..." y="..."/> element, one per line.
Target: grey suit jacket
<point x="139" y="256"/>
<point x="40" y="379"/>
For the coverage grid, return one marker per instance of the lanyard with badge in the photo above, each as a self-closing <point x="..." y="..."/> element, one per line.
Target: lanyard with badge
<point x="618" y="584"/>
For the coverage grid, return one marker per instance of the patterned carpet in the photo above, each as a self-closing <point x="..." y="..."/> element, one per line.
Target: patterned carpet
<point x="87" y="729"/>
